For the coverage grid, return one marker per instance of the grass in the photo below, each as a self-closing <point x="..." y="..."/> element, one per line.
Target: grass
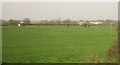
<point x="55" y="44"/>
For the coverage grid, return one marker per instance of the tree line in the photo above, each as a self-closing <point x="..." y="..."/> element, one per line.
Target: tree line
<point x="68" y="22"/>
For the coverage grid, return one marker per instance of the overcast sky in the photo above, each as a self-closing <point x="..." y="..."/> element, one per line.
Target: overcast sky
<point x="55" y="10"/>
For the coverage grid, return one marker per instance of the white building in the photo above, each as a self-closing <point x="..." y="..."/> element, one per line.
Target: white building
<point x="18" y="24"/>
<point x="96" y="23"/>
<point x="81" y="23"/>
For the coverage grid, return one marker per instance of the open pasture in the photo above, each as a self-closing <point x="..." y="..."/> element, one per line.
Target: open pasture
<point x="55" y="44"/>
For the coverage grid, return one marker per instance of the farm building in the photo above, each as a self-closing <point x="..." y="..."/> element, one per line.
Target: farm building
<point x="96" y="23"/>
<point x="22" y="23"/>
<point x="91" y="23"/>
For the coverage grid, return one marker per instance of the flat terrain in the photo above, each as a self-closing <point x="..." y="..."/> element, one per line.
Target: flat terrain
<point x="55" y="44"/>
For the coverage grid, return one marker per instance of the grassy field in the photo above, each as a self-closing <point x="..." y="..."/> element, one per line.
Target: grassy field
<point x="55" y="44"/>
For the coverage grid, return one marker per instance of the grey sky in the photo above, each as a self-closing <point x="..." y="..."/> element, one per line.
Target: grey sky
<point x="55" y="10"/>
<point x="0" y="10"/>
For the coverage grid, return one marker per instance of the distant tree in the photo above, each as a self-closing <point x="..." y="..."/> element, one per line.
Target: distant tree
<point x="11" y="22"/>
<point x="26" y="21"/>
<point x="74" y="22"/>
<point x="4" y="22"/>
<point x="86" y="24"/>
<point x="67" y="22"/>
<point x="58" y="21"/>
<point x="52" y="22"/>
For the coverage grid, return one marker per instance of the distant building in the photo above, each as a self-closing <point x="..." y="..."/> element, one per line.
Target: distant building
<point x="18" y="24"/>
<point x="96" y="23"/>
<point x="81" y="23"/>
<point x="22" y="23"/>
<point x="92" y="23"/>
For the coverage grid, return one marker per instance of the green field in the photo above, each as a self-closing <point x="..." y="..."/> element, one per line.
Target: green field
<point x="55" y="44"/>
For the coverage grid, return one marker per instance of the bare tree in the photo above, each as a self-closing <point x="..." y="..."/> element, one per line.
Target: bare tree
<point x="26" y="21"/>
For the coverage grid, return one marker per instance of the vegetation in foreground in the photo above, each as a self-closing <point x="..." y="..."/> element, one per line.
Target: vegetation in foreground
<point x="56" y="44"/>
